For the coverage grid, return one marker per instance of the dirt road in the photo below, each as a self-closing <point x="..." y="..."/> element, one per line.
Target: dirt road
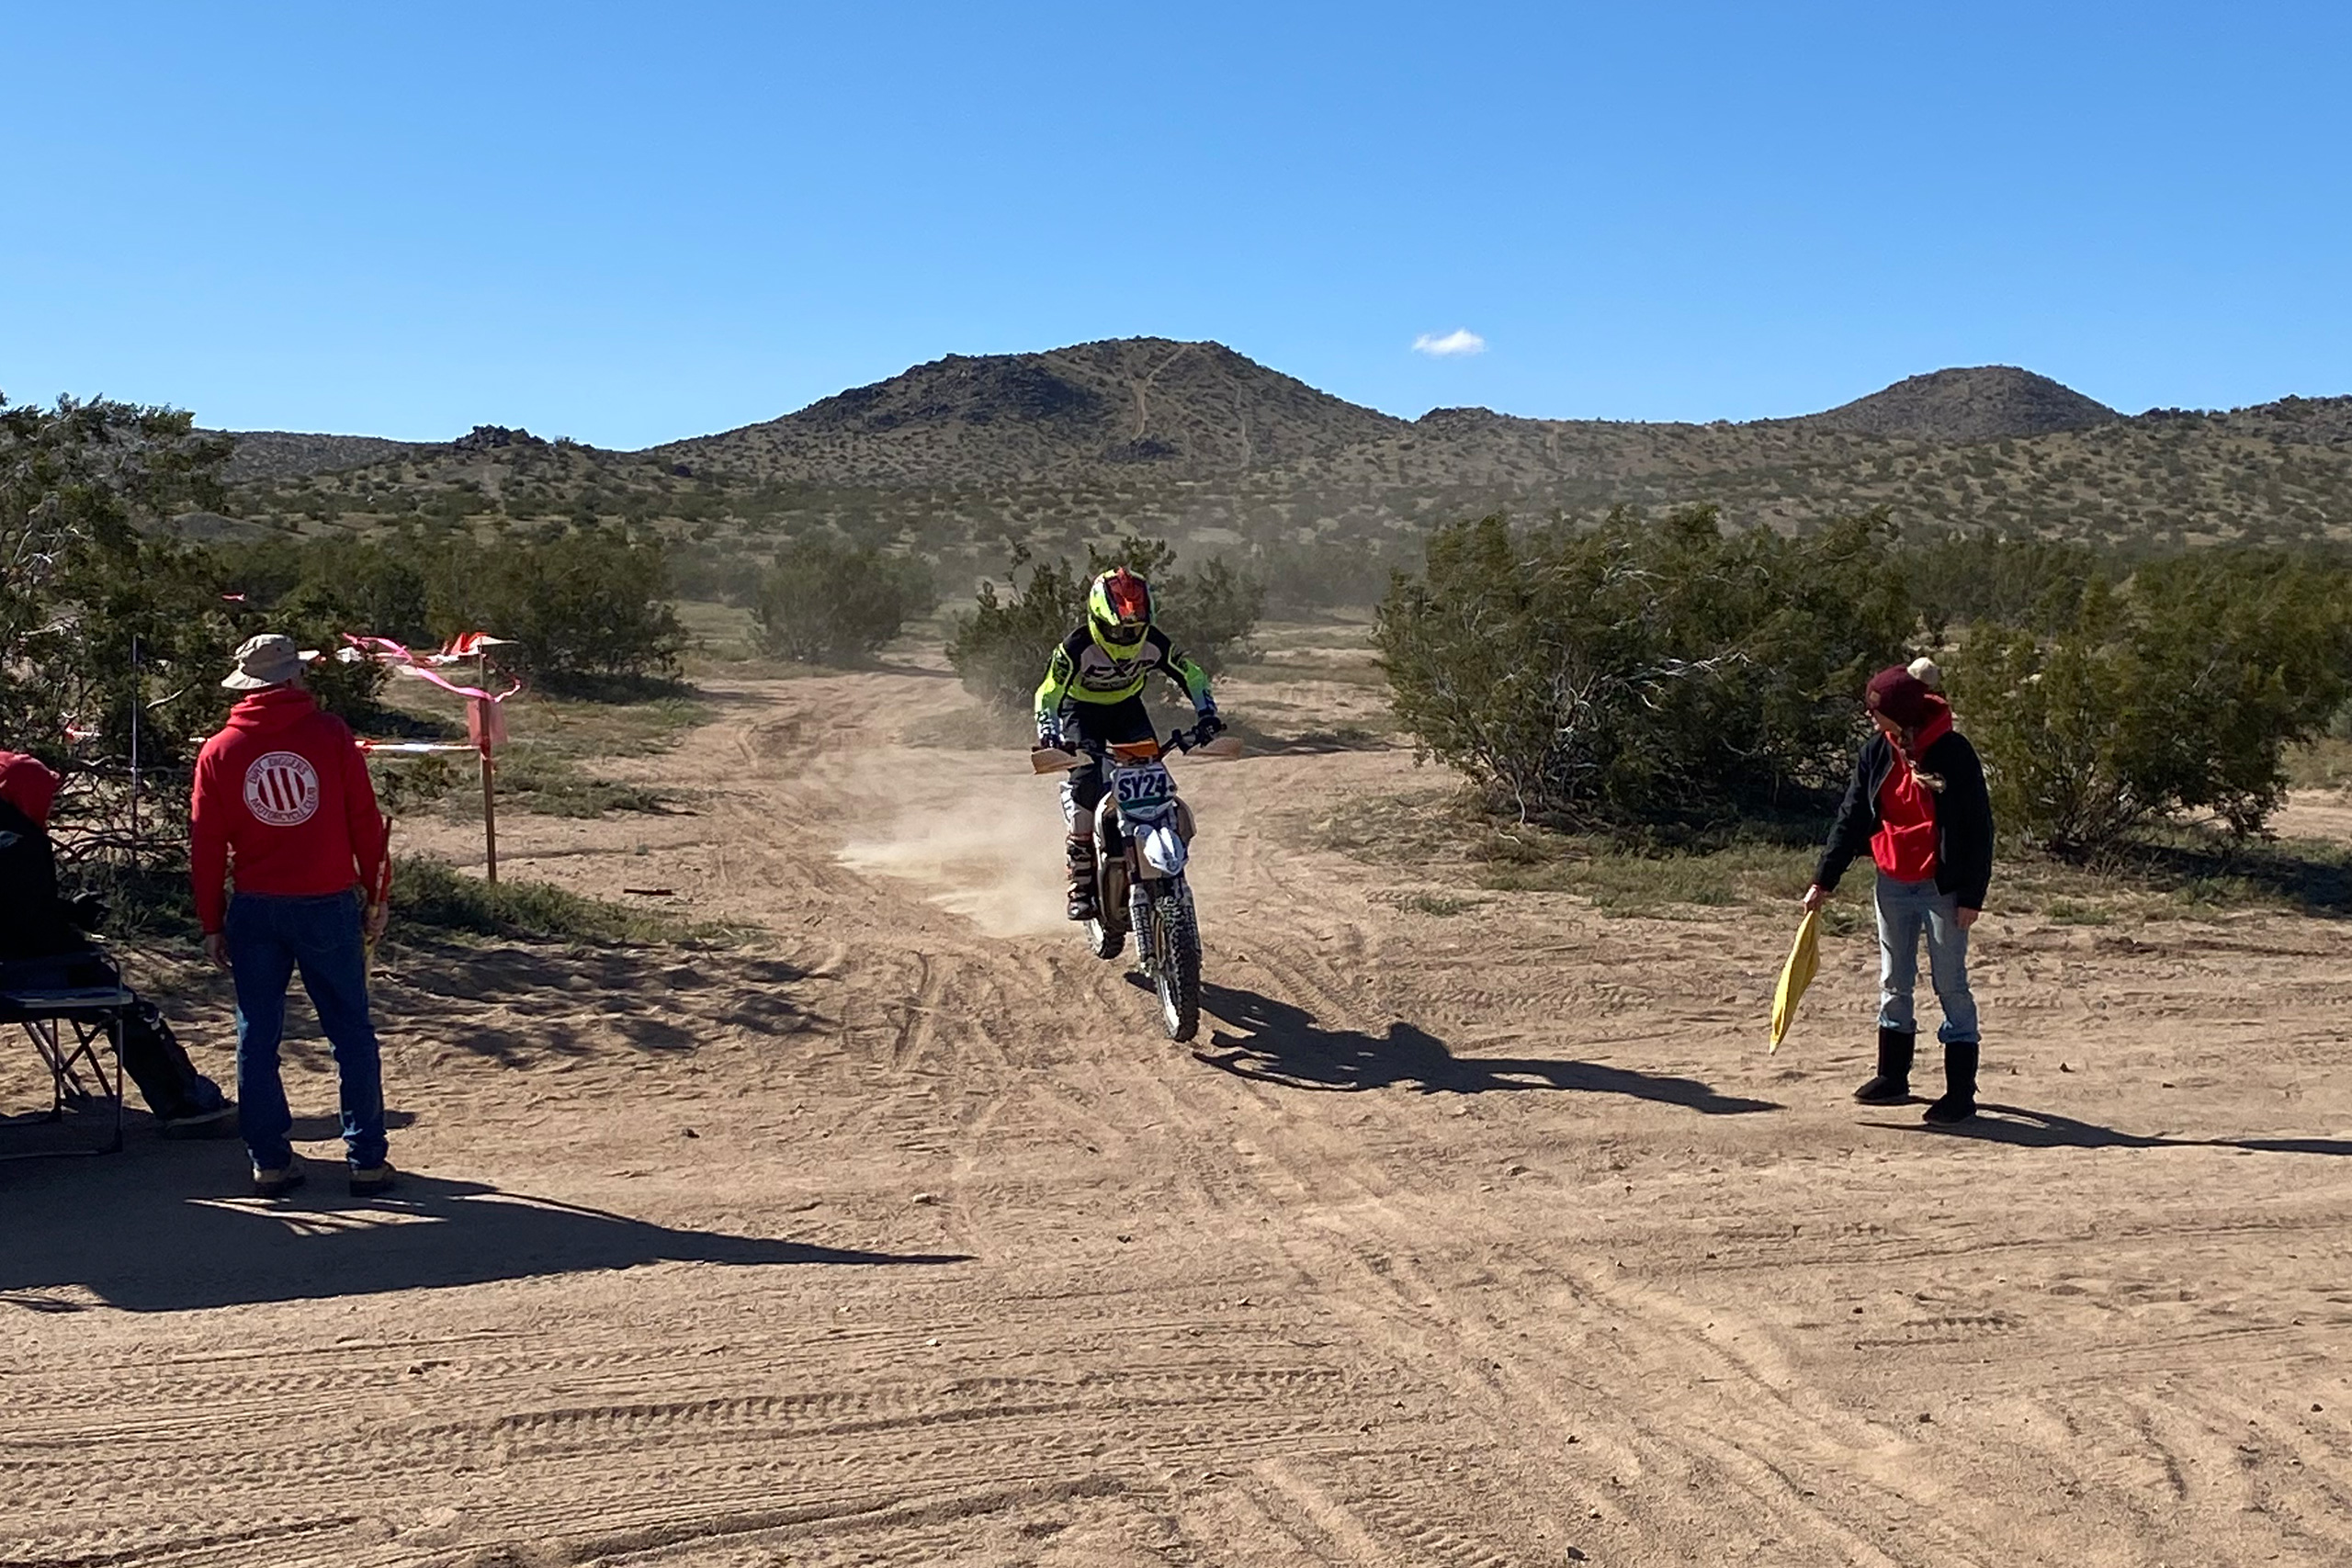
<point x="896" y="1234"/>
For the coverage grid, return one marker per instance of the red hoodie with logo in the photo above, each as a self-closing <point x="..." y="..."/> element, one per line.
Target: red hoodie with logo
<point x="284" y="793"/>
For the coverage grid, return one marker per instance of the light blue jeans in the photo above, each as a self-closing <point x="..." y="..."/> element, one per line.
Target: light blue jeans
<point x="1908" y="910"/>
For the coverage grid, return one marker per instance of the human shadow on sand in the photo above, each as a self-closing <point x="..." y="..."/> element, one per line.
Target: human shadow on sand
<point x="2024" y="1128"/>
<point x="147" y="1231"/>
<point x="1282" y="1045"/>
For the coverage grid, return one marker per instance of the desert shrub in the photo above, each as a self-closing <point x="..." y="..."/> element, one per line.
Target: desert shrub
<point x="582" y="600"/>
<point x="1954" y="578"/>
<point x="2178" y="692"/>
<point x="825" y="600"/>
<point x="86" y="570"/>
<point x="1324" y="574"/>
<point x="318" y="591"/>
<point x="590" y="602"/>
<point x="1001" y="648"/>
<point x="714" y="571"/>
<point x="1639" y="674"/>
<point x="1211" y="611"/>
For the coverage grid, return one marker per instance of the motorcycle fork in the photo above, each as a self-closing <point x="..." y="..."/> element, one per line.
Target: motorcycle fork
<point x="1114" y="877"/>
<point x="1140" y="908"/>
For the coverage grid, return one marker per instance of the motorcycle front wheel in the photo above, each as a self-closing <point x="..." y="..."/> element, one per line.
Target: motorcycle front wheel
<point x="1176" y="972"/>
<point x="1103" y="939"/>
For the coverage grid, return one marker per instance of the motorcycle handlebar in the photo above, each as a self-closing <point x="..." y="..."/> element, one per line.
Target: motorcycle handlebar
<point x="1178" y="740"/>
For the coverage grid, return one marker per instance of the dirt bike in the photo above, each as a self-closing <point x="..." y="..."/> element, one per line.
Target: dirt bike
<point x="1142" y="834"/>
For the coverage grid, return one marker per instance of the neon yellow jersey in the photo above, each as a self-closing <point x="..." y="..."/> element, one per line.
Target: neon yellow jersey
<point x="1082" y="671"/>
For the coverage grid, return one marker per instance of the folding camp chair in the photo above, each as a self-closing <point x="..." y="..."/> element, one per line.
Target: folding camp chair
<point x="78" y="1032"/>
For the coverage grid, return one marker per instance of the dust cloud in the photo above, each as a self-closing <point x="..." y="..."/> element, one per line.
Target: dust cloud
<point x="994" y="856"/>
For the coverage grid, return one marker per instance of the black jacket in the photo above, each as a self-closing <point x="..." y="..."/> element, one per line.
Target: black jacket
<point x="34" y="923"/>
<point x="1963" y="816"/>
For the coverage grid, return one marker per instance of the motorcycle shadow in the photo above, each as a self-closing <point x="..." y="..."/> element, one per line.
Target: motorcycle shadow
<point x="1278" y="1043"/>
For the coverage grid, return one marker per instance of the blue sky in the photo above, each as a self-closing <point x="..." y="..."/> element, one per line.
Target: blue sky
<point x="632" y="222"/>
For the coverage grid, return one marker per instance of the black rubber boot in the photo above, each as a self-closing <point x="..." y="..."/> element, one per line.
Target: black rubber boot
<point x="1958" y="1103"/>
<point x="1893" y="1085"/>
<point x="1081" y="879"/>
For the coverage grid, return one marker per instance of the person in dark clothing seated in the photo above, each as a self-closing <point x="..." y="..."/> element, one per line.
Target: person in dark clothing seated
<point x="45" y="945"/>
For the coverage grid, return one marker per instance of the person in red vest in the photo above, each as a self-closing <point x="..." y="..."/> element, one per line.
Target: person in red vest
<point x="282" y="796"/>
<point x="1917" y="806"/>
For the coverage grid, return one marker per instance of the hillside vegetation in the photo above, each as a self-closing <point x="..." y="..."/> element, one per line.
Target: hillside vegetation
<point x="961" y="460"/>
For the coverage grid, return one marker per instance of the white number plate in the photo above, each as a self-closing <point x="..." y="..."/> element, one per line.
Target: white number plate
<point x="1141" y="788"/>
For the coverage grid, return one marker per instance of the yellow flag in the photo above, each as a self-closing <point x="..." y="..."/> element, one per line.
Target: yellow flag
<point x="1804" y="961"/>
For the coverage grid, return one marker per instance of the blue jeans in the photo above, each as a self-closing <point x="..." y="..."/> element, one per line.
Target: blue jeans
<point x="269" y="939"/>
<point x="1906" y="910"/>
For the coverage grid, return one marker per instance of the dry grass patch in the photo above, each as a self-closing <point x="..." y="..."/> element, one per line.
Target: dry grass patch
<point x="542" y="768"/>
<point x="2182" y="874"/>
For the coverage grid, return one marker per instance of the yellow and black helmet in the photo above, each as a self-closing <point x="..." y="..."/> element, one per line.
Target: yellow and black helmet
<point x="1118" y="612"/>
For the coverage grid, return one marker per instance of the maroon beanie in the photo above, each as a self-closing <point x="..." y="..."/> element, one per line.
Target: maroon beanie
<point x="27" y="785"/>
<point x="1901" y="696"/>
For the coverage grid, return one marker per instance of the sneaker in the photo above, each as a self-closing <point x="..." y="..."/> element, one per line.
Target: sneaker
<point x="277" y="1183"/>
<point x="218" y="1123"/>
<point x="373" y="1180"/>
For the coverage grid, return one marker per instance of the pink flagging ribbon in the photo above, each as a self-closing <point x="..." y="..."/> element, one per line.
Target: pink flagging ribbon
<point x="384" y="650"/>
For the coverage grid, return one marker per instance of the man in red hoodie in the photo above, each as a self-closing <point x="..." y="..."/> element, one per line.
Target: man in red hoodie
<point x="283" y="794"/>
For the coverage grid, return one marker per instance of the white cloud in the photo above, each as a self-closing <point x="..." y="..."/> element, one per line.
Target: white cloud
<point x="1455" y="345"/>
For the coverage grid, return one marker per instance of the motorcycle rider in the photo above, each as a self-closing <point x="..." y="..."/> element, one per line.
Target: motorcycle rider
<point x="1093" y="691"/>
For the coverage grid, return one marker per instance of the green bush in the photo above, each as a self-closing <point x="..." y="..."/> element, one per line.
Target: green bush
<point x="582" y="600"/>
<point x="1326" y="574"/>
<point x="1640" y="675"/>
<point x="1001" y="648"/>
<point x="827" y="601"/>
<point x="2176" y="692"/>
<point x="86" y="571"/>
<point x="1955" y="579"/>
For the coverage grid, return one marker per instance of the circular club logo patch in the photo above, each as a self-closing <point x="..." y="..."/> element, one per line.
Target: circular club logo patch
<point x="282" y="789"/>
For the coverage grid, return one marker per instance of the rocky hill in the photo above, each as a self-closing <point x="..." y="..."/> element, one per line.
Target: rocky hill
<point x="289" y="454"/>
<point x="1127" y="405"/>
<point x="2308" y="421"/>
<point x="1984" y="402"/>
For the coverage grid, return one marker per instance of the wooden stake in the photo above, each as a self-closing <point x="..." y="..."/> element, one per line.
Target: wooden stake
<point x="483" y="720"/>
<point x="488" y="814"/>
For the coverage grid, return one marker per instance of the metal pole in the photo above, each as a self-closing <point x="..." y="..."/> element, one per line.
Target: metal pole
<point x="137" y="694"/>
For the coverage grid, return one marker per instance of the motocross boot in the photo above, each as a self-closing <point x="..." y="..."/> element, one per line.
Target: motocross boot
<point x="1081" y="876"/>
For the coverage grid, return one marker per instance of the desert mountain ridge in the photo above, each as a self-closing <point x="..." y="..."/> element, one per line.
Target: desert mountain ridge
<point x="1201" y="410"/>
<point x="966" y="457"/>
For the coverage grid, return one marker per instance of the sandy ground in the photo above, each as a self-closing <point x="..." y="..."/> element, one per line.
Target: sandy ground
<point x="895" y="1233"/>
